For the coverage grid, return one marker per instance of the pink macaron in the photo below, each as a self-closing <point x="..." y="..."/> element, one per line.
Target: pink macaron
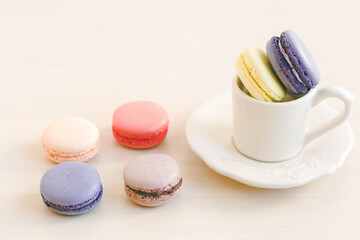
<point x="152" y="179"/>
<point x="140" y="124"/>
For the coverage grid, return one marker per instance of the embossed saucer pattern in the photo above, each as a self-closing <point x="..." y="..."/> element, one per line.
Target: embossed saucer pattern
<point x="209" y="133"/>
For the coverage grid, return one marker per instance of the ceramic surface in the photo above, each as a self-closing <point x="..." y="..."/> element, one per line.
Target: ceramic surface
<point x="278" y="131"/>
<point x="209" y="133"/>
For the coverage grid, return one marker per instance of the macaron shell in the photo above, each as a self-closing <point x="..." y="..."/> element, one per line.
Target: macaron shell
<point x="301" y="58"/>
<point x="71" y="135"/>
<point x="157" y="171"/>
<point x="140" y="117"/>
<point x="70" y="183"/>
<point x="282" y="68"/>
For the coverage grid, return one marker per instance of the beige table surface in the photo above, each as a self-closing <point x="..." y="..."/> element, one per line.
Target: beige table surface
<point x="85" y="58"/>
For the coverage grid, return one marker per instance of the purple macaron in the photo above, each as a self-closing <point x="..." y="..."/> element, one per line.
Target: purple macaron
<point x="71" y="188"/>
<point x="293" y="63"/>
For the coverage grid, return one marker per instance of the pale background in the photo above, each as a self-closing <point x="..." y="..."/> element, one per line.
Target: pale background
<point x="85" y="58"/>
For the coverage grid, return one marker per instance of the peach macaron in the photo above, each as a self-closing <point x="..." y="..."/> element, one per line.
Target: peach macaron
<point x="71" y="139"/>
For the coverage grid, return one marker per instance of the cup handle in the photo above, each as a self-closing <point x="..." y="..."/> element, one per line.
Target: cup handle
<point x="322" y="94"/>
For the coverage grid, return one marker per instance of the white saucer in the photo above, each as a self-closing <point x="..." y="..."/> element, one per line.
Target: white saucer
<point x="209" y="133"/>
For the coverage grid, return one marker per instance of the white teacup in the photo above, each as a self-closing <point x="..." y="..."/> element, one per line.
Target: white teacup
<point x="273" y="132"/>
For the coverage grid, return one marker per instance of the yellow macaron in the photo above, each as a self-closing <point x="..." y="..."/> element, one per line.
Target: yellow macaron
<point x="255" y="72"/>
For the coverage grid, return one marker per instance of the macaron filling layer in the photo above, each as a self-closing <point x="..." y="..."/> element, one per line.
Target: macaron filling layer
<point x="71" y="156"/>
<point x="290" y="63"/>
<point x="82" y="207"/>
<point x="305" y="79"/>
<point x="137" y="140"/>
<point x="255" y="72"/>
<point x="246" y="73"/>
<point x="156" y="193"/>
<point x="249" y="71"/>
<point x="282" y="67"/>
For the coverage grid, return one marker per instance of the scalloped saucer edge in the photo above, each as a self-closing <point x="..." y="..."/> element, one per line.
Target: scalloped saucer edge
<point x="209" y="134"/>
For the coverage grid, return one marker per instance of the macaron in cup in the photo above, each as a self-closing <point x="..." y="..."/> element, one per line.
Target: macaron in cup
<point x="255" y="72"/>
<point x="293" y="63"/>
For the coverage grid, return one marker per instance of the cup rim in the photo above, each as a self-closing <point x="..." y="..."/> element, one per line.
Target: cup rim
<point x="237" y="89"/>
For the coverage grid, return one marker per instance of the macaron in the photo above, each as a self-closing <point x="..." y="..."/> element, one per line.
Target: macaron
<point x="71" y="188"/>
<point x="140" y="124"/>
<point x="255" y="72"/>
<point x="152" y="179"/>
<point x="71" y="139"/>
<point x="293" y="63"/>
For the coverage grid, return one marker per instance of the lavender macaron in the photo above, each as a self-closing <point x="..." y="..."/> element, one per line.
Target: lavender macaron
<point x="293" y="63"/>
<point x="152" y="179"/>
<point x="71" y="188"/>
